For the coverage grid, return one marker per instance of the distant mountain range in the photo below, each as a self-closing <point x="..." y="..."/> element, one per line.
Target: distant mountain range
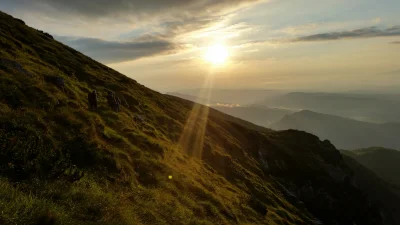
<point x="260" y="115"/>
<point x="257" y="114"/>
<point x="344" y="133"/>
<point x="193" y="98"/>
<point x="364" y="106"/>
<point x="233" y="96"/>
<point x="377" y="108"/>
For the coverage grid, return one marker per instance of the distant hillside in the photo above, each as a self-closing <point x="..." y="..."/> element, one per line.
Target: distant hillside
<point x="260" y="115"/>
<point x="257" y="114"/>
<point x="365" y="107"/>
<point x="235" y="96"/>
<point x="158" y="160"/>
<point x="344" y="133"/>
<point x="192" y="98"/>
<point x="384" y="162"/>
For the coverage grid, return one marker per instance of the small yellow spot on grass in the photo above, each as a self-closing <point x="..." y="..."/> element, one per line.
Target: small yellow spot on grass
<point x="170" y="177"/>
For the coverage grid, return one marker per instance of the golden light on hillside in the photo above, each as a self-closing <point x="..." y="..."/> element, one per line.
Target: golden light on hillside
<point x="216" y="54"/>
<point x="193" y="134"/>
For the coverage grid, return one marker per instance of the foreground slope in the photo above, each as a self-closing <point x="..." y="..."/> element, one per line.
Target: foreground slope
<point x="183" y="163"/>
<point x="344" y="133"/>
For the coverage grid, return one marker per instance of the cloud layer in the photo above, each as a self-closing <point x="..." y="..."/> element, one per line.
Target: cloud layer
<point x="115" y="51"/>
<point x="128" y="9"/>
<point x="123" y="30"/>
<point x="366" y="32"/>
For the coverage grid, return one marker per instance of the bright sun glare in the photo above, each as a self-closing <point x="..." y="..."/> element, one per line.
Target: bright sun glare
<point x="216" y="54"/>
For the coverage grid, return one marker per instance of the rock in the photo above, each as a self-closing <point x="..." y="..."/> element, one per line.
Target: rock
<point x="10" y="64"/>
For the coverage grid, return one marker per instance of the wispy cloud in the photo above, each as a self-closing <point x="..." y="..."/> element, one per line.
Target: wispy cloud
<point x="122" y="8"/>
<point x="366" y="32"/>
<point x="115" y="51"/>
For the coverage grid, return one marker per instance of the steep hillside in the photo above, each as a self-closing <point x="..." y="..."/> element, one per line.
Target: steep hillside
<point x="344" y="133"/>
<point x="384" y="162"/>
<point x="377" y="189"/>
<point x="160" y="160"/>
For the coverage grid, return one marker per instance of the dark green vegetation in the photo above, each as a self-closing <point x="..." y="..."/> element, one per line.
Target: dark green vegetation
<point x="384" y="162"/>
<point x="344" y="133"/>
<point x="185" y="164"/>
<point x="378" y="190"/>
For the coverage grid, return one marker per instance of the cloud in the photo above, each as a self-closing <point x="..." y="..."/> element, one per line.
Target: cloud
<point x="395" y="42"/>
<point x="293" y="30"/>
<point x="366" y="32"/>
<point x="128" y="9"/>
<point x="124" y="30"/>
<point x="115" y="51"/>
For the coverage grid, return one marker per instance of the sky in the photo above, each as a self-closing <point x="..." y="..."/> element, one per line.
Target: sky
<point x="313" y="45"/>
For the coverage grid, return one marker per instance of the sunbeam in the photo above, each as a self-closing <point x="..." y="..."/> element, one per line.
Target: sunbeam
<point x="192" y="137"/>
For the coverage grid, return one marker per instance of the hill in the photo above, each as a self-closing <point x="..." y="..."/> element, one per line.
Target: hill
<point x="159" y="160"/>
<point x="344" y="133"/>
<point x="376" y="108"/>
<point x="383" y="161"/>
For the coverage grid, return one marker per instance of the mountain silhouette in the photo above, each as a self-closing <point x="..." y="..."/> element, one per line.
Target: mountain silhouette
<point x="343" y="132"/>
<point x="367" y="107"/>
<point x="383" y="161"/>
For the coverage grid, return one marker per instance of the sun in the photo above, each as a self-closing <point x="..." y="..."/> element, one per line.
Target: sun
<point x="216" y="54"/>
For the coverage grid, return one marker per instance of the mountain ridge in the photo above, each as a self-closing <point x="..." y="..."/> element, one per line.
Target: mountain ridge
<point x="345" y="133"/>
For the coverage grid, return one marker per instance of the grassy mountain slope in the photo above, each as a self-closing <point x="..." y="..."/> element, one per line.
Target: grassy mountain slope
<point x="184" y="164"/>
<point x="383" y="161"/>
<point x="344" y="133"/>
